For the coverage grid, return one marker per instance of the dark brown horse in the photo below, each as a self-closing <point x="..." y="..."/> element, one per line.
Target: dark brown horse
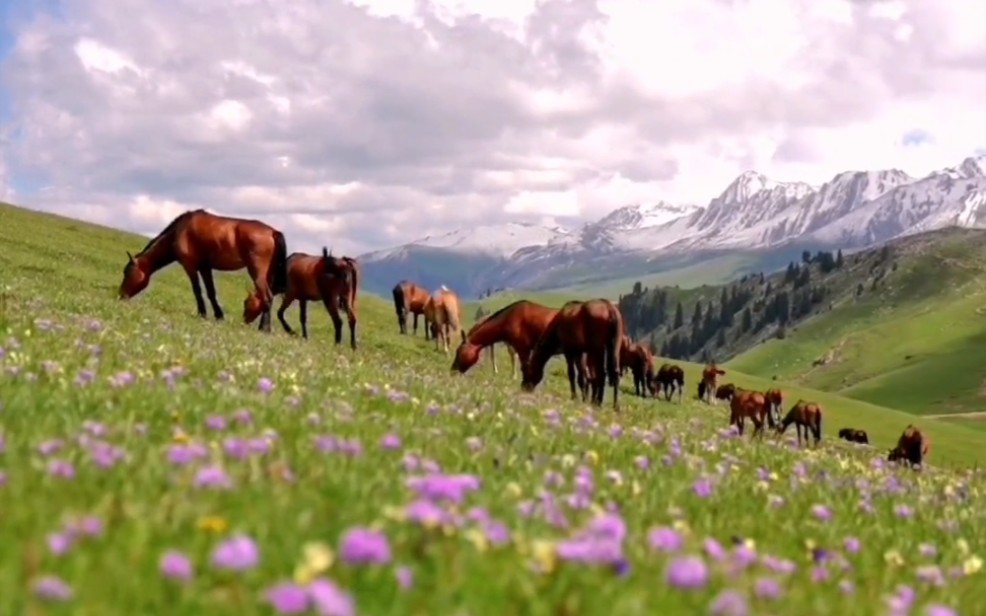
<point x="804" y="414"/>
<point x="640" y="361"/>
<point x="339" y="287"/>
<point x="510" y="351"/>
<point x="854" y="436"/>
<point x="443" y="314"/>
<point x="518" y="325"/>
<point x="671" y="378"/>
<point x="710" y="376"/>
<point x="202" y="242"/>
<point x="752" y="404"/>
<point x="410" y="298"/>
<point x="725" y="392"/>
<point x="912" y="447"/>
<point x="594" y="329"/>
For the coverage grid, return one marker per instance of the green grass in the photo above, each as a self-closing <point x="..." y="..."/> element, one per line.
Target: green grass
<point x="144" y="377"/>
<point x="918" y="346"/>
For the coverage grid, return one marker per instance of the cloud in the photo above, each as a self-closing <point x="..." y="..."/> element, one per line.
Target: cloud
<point x="364" y="125"/>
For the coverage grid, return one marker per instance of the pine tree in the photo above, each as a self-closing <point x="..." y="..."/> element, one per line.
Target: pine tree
<point x="679" y="316"/>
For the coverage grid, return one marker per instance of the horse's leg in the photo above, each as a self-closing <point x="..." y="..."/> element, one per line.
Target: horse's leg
<point x="193" y="276"/>
<point x="260" y="274"/>
<point x="570" y="365"/>
<point x="210" y="291"/>
<point x="286" y="300"/>
<point x="332" y="307"/>
<point x="303" y="315"/>
<point x="352" y="318"/>
<point x="493" y="358"/>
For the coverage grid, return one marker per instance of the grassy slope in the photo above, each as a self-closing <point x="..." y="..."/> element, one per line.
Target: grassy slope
<point x="918" y="345"/>
<point x="58" y="278"/>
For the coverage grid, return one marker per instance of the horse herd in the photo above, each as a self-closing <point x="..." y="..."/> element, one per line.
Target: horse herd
<point x="588" y="334"/>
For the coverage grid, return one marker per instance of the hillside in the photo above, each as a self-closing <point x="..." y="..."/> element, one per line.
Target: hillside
<point x="208" y="468"/>
<point x="754" y="224"/>
<point x="899" y="326"/>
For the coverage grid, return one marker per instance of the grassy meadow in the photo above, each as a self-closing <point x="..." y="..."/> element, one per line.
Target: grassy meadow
<point x="155" y="463"/>
<point x="918" y="344"/>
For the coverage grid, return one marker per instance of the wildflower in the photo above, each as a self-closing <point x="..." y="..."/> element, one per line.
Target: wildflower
<point x="61" y="468"/>
<point x="665" y="539"/>
<point x="729" y="603"/>
<point x="545" y="556"/>
<point x="821" y="512"/>
<point x="238" y="553"/>
<point x="288" y="598"/>
<point x="687" y="572"/>
<point x="365" y="546"/>
<point x="439" y="487"/>
<point x="265" y="385"/>
<point x="973" y="564"/>
<point x="851" y="545"/>
<point x="390" y="441"/>
<point x="59" y="543"/>
<point x="936" y="609"/>
<point x="405" y="577"/>
<point x="702" y="488"/>
<point x="213" y="477"/>
<point x="52" y="588"/>
<point x="176" y="566"/>
<point x="329" y="599"/>
<point x="767" y="588"/>
<point x="213" y="524"/>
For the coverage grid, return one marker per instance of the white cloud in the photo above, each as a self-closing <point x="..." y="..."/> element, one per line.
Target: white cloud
<point x="369" y="123"/>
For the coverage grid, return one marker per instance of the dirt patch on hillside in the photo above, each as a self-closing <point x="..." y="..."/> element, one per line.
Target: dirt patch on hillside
<point x="978" y="415"/>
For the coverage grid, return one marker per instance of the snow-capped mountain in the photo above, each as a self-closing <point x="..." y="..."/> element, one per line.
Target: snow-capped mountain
<point x="753" y="214"/>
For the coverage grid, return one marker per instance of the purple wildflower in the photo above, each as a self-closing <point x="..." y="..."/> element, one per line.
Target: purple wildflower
<point x="405" y="577"/>
<point x="238" y="553"/>
<point x="729" y="603"/>
<point x="365" y="546"/>
<point x="390" y="441"/>
<point x="936" y="609"/>
<point x="265" y="385"/>
<point x="703" y="488"/>
<point x="851" y="545"/>
<point x="665" y="539"/>
<point x="60" y="543"/>
<point x="176" y="566"/>
<point x="441" y="487"/>
<point x="687" y="572"/>
<point x="213" y="477"/>
<point x="767" y="588"/>
<point x="821" y="512"/>
<point x="215" y="422"/>
<point x="61" y="468"/>
<point x="52" y="588"/>
<point x="329" y="599"/>
<point x="288" y="598"/>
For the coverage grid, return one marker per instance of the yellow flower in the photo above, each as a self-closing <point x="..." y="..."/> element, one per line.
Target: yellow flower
<point x="534" y="431"/>
<point x="963" y="546"/>
<point x="478" y="539"/>
<point x="635" y="488"/>
<point x="545" y="556"/>
<point x="761" y="486"/>
<point x="394" y="513"/>
<point x="592" y="457"/>
<point x="972" y="565"/>
<point x="681" y="526"/>
<point x="894" y="558"/>
<point x="179" y="436"/>
<point x="513" y="489"/>
<point x="568" y="460"/>
<point x="213" y="524"/>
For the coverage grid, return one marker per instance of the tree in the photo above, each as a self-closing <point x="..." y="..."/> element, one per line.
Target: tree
<point x="679" y="316"/>
<point x="838" y="259"/>
<point x="480" y="313"/>
<point x="637" y="290"/>
<point x="746" y="321"/>
<point x="697" y="314"/>
<point x="721" y="338"/>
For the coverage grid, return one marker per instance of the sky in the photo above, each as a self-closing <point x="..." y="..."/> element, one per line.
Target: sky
<point x="366" y="124"/>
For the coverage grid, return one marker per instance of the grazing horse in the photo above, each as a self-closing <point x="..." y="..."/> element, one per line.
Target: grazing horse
<point x="338" y="287"/>
<point x="518" y="325"/>
<point x="594" y="329"/>
<point x="304" y="271"/>
<point x="912" y="447"/>
<point x="410" y="298"/>
<point x="670" y="377"/>
<point x="753" y="404"/>
<point x="443" y="315"/>
<point x="510" y="350"/>
<point x="638" y="359"/>
<point x="775" y="399"/>
<point x="807" y="415"/>
<point x="725" y="392"/>
<point x="854" y="436"/>
<point x="202" y="242"/>
<point x="710" y="375"/>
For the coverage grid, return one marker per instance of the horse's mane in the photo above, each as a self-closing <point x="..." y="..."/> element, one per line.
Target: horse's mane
<point x="444" y="288"/>
<point x="172" y="226"/>
<point x="501" y="310"/>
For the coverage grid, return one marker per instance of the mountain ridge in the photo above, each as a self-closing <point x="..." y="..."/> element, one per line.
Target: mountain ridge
<point x="853" y="210"/>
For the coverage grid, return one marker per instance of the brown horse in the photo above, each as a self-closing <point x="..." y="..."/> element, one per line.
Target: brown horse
<point x="670" y="377"/>
<point x="202" y="242"/>
<point x="753" y="404"/>
<point x="854" y="436"/>
<point x="912" y="447"/>
<point x="725" y="392"/>
<point x="518" y="325"/>
<point x="803" y="414"/>
<point x="410" y="298"/>
<point x="443" y="315"/>
<point x="594" y="329"/>
<point x="775" y="399"/>
<point x="710" y="375"/>
<point x="640" y="361"/>
<point x="510" y="351"/>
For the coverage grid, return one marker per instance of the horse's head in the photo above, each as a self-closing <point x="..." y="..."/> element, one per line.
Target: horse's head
<point x="532" y="376"/>
<point x="651" y="382"/>
<point x="336" y="269"/>
<point x="135" y="277"/>
<point x="845" y="433"/>
<point x="466" y="357"/>
<point x="894" y="454"/>
<point x="252" y="307"/>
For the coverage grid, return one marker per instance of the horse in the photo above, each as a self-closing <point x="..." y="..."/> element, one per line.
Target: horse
<point x="710" y="374"/>
<point x="804" y="414"/>
<point x="593" y="328"/>
<point x="701" y="389"/>
<point x="410" y="298"/>
<point x="854" y="436"/>
<point x="725" y="392"/>
<point x="202" y="242"/>
<point x="912" y="447"/>
<point x="338" y="286"/>
<point x="775" y="399"/>
<point x="753" y="404"/>
<point x="639" y="360"/>
<point x="518" y="325"/>
<point x="510" y="351"/>
<point x="444" y="316"/>
<point x="671" y="377"/>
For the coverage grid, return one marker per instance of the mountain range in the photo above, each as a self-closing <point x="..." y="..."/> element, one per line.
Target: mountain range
<point x="764" y="221"/>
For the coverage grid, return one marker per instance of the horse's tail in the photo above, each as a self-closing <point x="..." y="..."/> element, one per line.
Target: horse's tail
<point x="279" y="283"/>
<point x="399" y="305"/>
<point x="613" y="345"/>
<point x="818" y="425"/>
<point x="354" y="285"/>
